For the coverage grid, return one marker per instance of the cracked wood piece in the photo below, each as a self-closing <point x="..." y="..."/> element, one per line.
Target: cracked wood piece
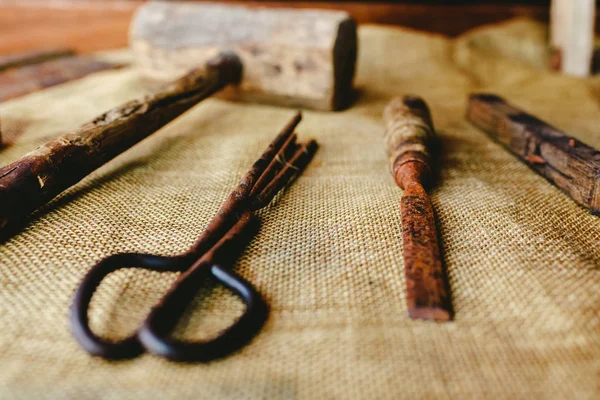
<point x="40" y="175"/>
<point x="18" y="81"/>
<point x="291" y="57"/>
<point x="32" y="57"/>
<point x="410" y="135"/>
<point x="566" y="162"/>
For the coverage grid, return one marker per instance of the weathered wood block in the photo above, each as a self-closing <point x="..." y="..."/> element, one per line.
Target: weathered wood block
<point x="565" y="161"/>
<point x="300" y="58"/>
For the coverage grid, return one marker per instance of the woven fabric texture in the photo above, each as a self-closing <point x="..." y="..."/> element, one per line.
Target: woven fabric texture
<point x="523" y="259"/>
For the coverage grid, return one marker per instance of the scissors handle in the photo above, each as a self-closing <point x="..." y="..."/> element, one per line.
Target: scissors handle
<point x="153" y="335"/>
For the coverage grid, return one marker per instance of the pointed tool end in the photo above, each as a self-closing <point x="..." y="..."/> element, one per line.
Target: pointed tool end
<point x="430" y="313"/>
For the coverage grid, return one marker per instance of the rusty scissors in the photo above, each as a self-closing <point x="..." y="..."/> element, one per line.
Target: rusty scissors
<point x="214" y="251"/>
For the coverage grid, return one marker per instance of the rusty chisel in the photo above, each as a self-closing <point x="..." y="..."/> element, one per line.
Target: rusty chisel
<point x="410" y="135"/>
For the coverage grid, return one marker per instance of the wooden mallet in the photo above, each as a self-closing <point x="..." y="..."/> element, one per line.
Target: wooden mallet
<point x="302" y="58"/>
<point x="298" y="58"/>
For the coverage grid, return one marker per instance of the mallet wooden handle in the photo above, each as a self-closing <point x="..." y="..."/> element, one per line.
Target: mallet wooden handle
<point x="40" y="175"/>
<point x="410" y="135"/>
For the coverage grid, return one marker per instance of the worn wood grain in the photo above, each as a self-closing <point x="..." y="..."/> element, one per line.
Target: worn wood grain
<point x="566" y="162"/>
<point x="42" y="174"/>
<point x="410" y="136"/>
<point x="298" y="58"/>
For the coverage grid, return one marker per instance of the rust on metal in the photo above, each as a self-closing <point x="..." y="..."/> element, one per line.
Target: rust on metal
<point x="535" y="159"/>
<point x="223" y="239"/>
<point x="410" y="137"/>
<point x="43" y="173"/>
<point x="264" y="172"/>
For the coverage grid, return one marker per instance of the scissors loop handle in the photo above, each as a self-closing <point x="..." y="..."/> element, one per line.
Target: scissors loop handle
<point x="153" y="335"/>
<point x="129" y="347"/>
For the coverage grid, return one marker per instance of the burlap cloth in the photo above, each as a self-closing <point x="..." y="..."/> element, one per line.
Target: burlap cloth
<point x="522" y="257"/>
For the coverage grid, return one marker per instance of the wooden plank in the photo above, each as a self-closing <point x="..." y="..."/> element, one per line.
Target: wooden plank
<point x="15" y="82"/>
<point x="566" y="162"/>
<point x="32" y="57"/>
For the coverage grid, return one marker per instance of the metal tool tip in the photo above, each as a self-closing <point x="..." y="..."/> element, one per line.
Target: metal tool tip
<point x="430" y="314"/>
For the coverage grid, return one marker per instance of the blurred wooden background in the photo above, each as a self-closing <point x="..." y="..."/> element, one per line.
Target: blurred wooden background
<point x="89" y="25"/>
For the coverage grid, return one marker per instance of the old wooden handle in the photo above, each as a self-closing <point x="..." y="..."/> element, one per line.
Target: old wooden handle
<point x="40" y="175"/>
<point x="409" y="135"/>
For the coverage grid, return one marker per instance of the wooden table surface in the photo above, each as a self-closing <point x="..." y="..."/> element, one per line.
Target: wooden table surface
<point x="88" y="25"/>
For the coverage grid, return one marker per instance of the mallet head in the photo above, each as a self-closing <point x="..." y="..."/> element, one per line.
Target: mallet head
<point x="299" y="58"/>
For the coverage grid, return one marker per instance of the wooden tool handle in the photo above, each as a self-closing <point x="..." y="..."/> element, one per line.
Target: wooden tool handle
<point x="409" y="135"/>
<point x="45" y="172"/>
